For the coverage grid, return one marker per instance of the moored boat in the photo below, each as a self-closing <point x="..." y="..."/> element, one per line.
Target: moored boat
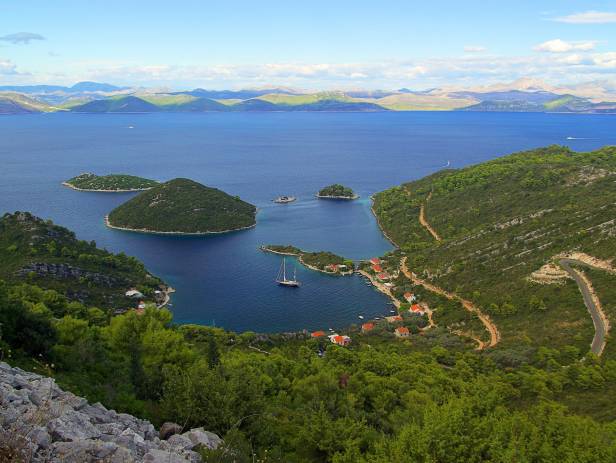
<point x="284" y="199"/>
<point x="282" y="279"/>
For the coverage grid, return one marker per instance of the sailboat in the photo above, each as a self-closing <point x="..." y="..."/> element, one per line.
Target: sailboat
<point x="281" y="278"/>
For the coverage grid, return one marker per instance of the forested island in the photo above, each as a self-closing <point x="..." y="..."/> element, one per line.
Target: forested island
<point x="184" y="207"/>
<point x="115" y="183"/>
<point x="336" y="191"/>
<point x="326" y="262"/>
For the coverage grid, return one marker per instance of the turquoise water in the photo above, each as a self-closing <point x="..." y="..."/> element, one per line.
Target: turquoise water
<point x="225" y="280"/>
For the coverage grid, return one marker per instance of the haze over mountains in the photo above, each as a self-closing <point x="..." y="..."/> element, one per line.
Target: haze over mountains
<point x="522" y="95"/>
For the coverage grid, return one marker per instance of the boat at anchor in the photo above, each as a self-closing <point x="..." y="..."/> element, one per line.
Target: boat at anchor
<point x="284" y="199"/>
<point x="282" y="279"/>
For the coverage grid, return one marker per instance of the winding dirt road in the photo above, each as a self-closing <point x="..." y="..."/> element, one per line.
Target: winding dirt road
<point x="599" y="319"/>
<point x="424" y="222"/>
<point x="468" y="305"/>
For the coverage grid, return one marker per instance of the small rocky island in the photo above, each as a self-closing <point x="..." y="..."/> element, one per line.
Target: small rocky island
<point x="326" y="262"/>
<point x="183" y="207"/>
<point x="336" y="191"/>
<point x="114" y="183"/>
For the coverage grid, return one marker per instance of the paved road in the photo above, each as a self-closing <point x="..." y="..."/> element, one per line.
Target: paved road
<point x="598" y="342"/>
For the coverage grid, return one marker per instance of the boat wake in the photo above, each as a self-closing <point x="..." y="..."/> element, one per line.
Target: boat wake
<point x="580" y="138"/>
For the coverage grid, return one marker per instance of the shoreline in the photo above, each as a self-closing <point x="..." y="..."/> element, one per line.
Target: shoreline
<point x="72" y="187"/>
<point x="346" y="198"/>
<point x="173" y="233"/>
<point x="301" y="261"/>
<point x="378" y="223"/>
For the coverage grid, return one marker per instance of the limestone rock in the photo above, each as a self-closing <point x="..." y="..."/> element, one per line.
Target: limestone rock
<point x="39" y="422"/>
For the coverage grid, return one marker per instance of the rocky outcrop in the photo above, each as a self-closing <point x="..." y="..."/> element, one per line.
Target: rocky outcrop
<point x="40" y="422"/>
<point x="66" y="271"/>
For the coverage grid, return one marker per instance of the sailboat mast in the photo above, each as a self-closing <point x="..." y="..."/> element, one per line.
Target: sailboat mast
<point x="284" y="269"/>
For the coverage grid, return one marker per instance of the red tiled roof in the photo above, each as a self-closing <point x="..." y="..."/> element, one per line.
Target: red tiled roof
<point x="383" y="276"/>
<point x="375" y="260"/>
<point x="377" y="268"/>
<point x="416" y="308"/>
<point x="394" y="318"/>
<point x="402" y="330"/>
<point x="367" y="326"/>
<point x="317" y="334"/>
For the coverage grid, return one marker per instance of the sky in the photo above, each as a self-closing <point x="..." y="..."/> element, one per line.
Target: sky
<point x="334" y="44"/>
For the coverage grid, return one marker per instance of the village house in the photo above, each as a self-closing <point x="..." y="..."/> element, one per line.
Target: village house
<point x="377" y="268"/>
<point x="383" y="276"/>
<point x="332" y="268"/>
<point x="141" y="305"/>
<point x="417" y="309"/>
<point x="410" y="297"/>
<point x="375" y="261"/>
<point x="317" y="334"/>
<point x="393" y="319"/>
<point x="367" y="327"/>
<point x="341" y="340"/>
<point x="402" y="332"/>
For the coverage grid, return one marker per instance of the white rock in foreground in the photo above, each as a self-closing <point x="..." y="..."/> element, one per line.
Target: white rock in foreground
<point x="40" y="422"/>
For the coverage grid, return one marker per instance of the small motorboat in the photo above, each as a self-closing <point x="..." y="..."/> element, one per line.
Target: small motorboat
<point x="284" y="199"/>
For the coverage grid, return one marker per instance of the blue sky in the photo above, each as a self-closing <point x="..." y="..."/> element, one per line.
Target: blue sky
<point x="308" y="44"/>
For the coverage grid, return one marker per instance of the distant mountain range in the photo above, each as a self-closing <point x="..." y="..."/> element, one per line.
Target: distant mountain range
<point x="523" y="95"/>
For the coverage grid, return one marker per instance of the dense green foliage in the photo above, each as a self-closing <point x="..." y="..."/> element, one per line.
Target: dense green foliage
<point x="322" y="260"/>
<point x="183" y="206"/>
<point x="381" y="400"/>
<point x="337" y="191"/>
<point x="502" y="220"/>
<point x="50" y="257"/>
<point x="111" y="182"/>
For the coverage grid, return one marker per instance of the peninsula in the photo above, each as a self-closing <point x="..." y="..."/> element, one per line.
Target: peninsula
<point x="183" y="207"/>
<point x="336" y="191"/>
<point x="113" y="183"/>
<point x="323" y="261"/>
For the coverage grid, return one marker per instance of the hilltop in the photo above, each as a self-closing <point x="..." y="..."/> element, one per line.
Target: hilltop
<point x="494" y="235"/>
<point x="183" y="206"/>
<point x="109" y="183"/>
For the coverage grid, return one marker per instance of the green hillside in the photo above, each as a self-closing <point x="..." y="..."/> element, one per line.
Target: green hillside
<point x="111" y="182"/>
<point x="119" y="104"/>
<point x="183" y="206"/>
<point x="494" y="224"/>
<point x="39" y="253"/>
<point x="16" y="103"/>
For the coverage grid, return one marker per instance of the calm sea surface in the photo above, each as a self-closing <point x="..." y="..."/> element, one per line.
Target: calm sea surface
<point x="225" y="280"/>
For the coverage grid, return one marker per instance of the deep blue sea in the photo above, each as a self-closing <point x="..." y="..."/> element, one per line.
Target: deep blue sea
<point x="225" y="280"/>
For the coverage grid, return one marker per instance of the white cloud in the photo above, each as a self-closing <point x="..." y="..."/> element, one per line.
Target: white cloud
<point x="561" y="46"/>
<point x="7" y="68"/>
<point x="474" y="49"/>
<point x="589" y="17"/>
